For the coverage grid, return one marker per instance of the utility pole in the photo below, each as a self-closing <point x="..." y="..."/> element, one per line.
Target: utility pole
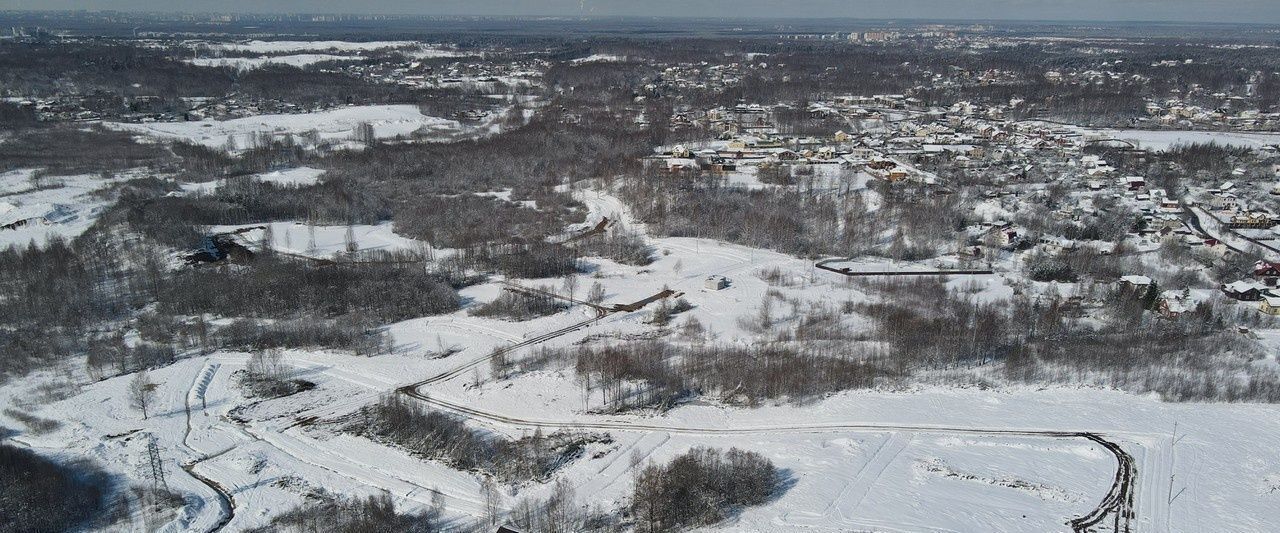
<point x="1176" y="439"/>
<point x="157" y="465"/>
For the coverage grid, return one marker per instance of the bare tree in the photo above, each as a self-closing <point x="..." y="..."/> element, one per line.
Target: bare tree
<point x="498" y="364"/>
<point x="350" y="241"/>
<point x="266" y="364"/>
<point x="571" y="285"/>
<point x="268" y="243"/>
<point x="141" y="390"/>
<point x="596" y="294"/>
<point x="492" y="500"/>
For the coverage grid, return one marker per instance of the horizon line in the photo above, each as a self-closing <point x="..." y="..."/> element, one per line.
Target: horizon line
<point x="586" y="17"/>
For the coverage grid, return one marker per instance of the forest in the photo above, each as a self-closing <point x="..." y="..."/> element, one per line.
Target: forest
<point x="40" y="495"/>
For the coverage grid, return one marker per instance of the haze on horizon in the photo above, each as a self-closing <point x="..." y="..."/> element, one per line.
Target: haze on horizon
<point x="1237" y="11"/>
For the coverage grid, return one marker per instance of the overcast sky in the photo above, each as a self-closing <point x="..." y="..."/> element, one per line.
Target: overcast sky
<point x="1258" y="11"/>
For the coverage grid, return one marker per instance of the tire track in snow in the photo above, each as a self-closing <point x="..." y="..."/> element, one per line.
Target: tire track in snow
<point x="226" y="502"/>
<point x="609" y="474"/>
<point x="305" y="450"/>
<point x="856" y="491"/>
<point x="1117" y="503"/>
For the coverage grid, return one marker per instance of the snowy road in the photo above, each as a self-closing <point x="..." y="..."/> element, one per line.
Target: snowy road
<point x="349" y="457"/>
<point x="1116" y="505"/>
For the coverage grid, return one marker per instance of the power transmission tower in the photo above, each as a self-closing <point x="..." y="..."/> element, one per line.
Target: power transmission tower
<point x="157" y="466"/>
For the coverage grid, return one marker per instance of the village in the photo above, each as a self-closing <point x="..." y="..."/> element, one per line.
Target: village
<point x="291" y="273"/>
<point x="899" y="140"/>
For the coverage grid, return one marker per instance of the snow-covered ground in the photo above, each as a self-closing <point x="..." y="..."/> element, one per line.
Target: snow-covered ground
<point x="249" y="63"/>
<point x="336" y="125"/>
<point x="297" y="177"/>
<point x="600" y="58"/>
<point x="433" y="52"/>
<point x="279" y="47"/>
<point x="324" y="241"/>
<point x="919" y="460"/>
<point x="61" y="206"/>
<point x="888" y="479"/>
<point x="1164" y="139"/>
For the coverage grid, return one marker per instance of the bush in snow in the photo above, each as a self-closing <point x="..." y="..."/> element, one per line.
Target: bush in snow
<point x="702" y="487"/>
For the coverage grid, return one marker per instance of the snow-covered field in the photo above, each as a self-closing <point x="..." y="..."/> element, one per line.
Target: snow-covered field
<point x="297" y="177"/>
<point x="62" y="207"/>
<point x="303" y="53"/>
<point x="919" y="460"/>
<point x="324" y="241"/>
<point x="280" y="47"/>
<point x="1163" y="140"/>
<point x="249" y="63"/>
<point x="600" y="58"/>
<point x="333" y="125"/>
<point x="871" y="479"/>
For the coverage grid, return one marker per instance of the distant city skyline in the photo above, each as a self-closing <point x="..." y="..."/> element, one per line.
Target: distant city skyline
<point x="1239" y="11"/>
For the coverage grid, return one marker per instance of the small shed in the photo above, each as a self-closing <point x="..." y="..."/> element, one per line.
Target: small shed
<point x="715" y="283"/>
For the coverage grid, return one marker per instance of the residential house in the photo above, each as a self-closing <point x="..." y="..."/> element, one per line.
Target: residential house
<point x="1135" y="282"/>
<point x="1245" y="291"/>
<point x="1057" y="244"/>
<point x="1267" y="271"/>
<point x="1251" y="220"/>
<point x="1008" y="237"/>
<point x="787" y="155"/>
<point x="1270" y="305"/>
<point x="1224" y="201"/>
<point x="1172" y="304"/>
<point x="681" y="164"/>
<point x="896" y="174"/>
